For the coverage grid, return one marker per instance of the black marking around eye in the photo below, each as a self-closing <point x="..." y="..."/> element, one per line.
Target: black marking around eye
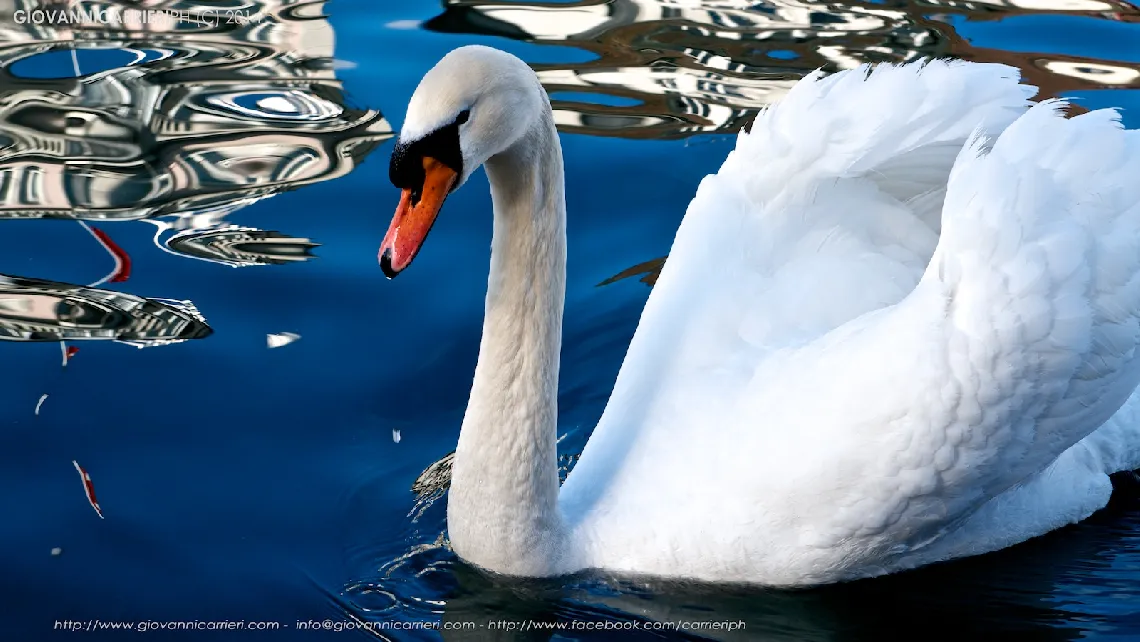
<point x="406" y="169"/>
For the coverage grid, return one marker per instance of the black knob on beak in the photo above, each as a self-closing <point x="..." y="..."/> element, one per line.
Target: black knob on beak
<point x="386" y="264"/>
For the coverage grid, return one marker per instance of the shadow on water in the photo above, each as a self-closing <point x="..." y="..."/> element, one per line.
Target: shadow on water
<point x="169" y="119"/>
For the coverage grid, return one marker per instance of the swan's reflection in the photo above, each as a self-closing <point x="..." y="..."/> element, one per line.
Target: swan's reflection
<point x="1025" y="592"/>
<point x="1014" y="592"/>
<point x="1009" y="594"/>
<point x="695" y="67"/>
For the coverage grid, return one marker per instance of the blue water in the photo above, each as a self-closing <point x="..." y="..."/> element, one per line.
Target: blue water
<point x="245" y="483"/>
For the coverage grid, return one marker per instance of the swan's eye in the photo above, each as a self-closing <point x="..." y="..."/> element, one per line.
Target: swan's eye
<point x="463" y="116"/>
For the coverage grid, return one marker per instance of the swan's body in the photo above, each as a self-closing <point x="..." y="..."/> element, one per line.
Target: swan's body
<point x="877" y="342"/>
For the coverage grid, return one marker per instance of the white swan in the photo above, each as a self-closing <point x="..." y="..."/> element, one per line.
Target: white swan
<point x="879" y="341"/>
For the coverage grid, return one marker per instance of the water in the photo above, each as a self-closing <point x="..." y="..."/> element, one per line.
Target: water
<point x="232" y="180"/>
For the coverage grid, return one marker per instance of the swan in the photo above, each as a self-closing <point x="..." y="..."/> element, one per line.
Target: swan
<point x="898" y="326"/>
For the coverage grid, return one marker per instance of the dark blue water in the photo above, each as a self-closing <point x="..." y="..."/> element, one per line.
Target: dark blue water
<point x="245" y="483"/>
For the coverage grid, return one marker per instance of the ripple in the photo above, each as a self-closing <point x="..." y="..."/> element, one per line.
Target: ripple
<point x="282" y="105"/>
<point x="40" y="310"/>
<point x="66" y="63"/>
<point x="240" y="246"/>
<point x="179" y="128"/>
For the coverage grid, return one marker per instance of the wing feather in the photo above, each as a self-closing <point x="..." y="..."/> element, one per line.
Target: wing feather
<point x="1019" y="341"/>
<point x="841" y="385"/>
<point x="826" y="209"/>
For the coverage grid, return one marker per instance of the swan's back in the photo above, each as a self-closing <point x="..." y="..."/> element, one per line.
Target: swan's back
<point x="782" y="412"/>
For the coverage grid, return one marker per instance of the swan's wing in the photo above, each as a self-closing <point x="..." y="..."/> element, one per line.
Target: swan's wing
<point x="1019" y="341"/>
<point x="829" y="207"/>
<point x="899" y="127"/>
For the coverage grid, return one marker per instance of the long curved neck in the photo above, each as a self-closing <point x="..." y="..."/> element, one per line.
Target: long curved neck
<point x="502" y="506"/>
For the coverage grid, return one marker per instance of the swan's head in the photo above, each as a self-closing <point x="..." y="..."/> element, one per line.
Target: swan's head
<point x="475" y="103"/>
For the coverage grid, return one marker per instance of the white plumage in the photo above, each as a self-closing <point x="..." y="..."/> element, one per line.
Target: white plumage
<point x="898" y="326"/>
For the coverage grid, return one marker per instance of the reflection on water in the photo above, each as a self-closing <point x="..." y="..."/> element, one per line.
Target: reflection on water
<point x="677" y="68"/>
<point x="39" y="310"/>
<point x="202" y="120"/>
<point x="693" y="67"/>
<point x="178" y="123"/>
<point x="240" y="246"/>
<point x="1027" y="592"/>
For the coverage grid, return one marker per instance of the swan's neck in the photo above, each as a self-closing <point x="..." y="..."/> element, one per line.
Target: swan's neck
<point x="502" y="506"/>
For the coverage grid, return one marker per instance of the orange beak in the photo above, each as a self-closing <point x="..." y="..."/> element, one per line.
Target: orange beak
<point x="413" y="220"/>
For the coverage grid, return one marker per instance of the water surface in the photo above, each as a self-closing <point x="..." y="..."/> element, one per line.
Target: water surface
<point x="171" y="195"/>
